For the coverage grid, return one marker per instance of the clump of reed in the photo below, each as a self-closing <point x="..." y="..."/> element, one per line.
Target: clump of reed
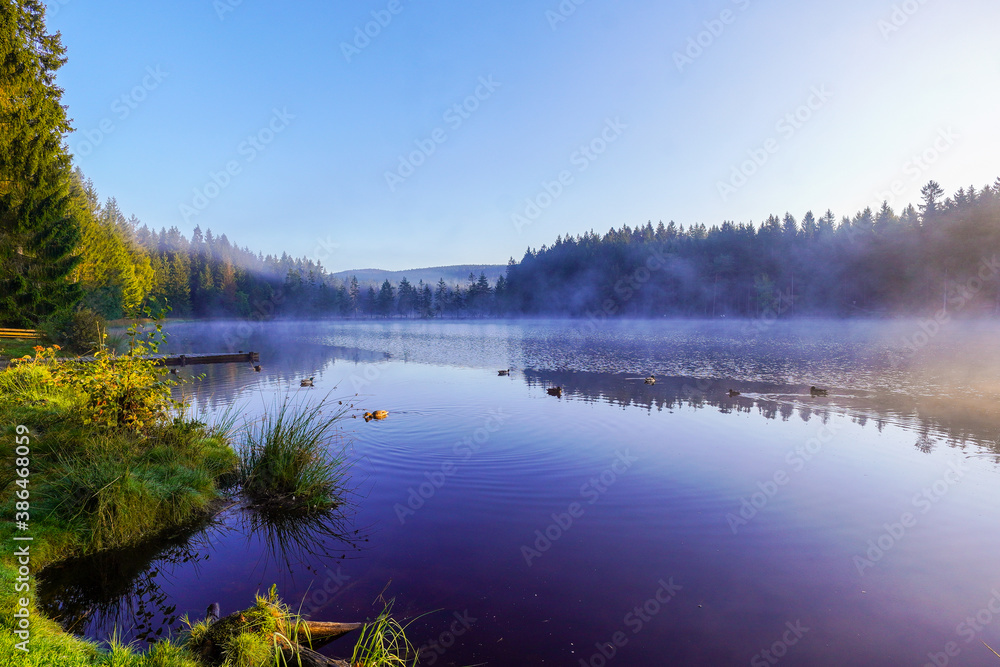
<point x="383" y="642"/>
<point x="290" y="457"/>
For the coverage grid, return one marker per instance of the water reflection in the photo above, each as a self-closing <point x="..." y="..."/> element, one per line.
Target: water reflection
<point x="290" y="352"/>
<point x="951" y="423"/>
<point x="123" y="588"/>
<point x="299" y="538"/>
<point x="131" y="590"/>
<point x="701" y="453"/>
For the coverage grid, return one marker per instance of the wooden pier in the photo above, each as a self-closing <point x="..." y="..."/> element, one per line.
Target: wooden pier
<point x="195" y="359"/>
<point x="252" y="358"/>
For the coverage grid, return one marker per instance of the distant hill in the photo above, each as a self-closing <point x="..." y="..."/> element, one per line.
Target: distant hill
<point x="451" y="274"/>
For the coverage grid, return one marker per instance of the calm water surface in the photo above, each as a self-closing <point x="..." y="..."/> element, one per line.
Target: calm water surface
<point x="621" y="523"/>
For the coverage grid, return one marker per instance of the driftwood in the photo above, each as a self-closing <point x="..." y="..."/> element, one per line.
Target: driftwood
<point x="322" y="633"/>
<point x="299" y="640"/>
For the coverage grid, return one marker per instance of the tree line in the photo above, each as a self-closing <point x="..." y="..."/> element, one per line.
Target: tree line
<point x="124" y="264"/>
<point x="873" y="263"/>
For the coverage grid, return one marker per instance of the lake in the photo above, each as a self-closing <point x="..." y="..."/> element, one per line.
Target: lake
<point x="619" y="523"/>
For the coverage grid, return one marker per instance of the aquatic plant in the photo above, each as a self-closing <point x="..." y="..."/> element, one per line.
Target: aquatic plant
<point x="161" y="654"/>
<point x="286" y="457"/>
<point x="383" y="642"/>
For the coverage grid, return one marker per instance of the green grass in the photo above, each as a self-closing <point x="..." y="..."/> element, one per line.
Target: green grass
<point x="383" y="643"/>
<point x="94" y="489"/>
<point x="261" y="635"/>
<point x="289" y="458"/>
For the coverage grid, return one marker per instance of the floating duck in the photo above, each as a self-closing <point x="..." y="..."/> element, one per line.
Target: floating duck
<point x="378" y="414"/>
<point x="817" y="392"/>
<point x="732" y="393"/>
<point x="506" y="372"/>
<point x="173" y="371"/>
<point x="554" y="391"/>
<point x="306" y="383"/>
<point x="257" y="368"/>
<point x="650" y="380"/>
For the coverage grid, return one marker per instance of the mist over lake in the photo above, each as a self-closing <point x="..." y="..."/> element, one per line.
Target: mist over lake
<point x="619" y="522"/>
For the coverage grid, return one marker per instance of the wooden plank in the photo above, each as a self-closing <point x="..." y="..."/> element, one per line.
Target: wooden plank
<point x="196" y="359"/>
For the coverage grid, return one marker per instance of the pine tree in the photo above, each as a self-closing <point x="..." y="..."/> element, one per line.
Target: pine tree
<point x="441" y="297"/>
<point x="932" y="192"/>
<point x="179" y="285"/>
<point x="407" y="298"/>
<point x="37" y="233"/>
<point x="355" y="294"/>
<point x="386" y="298"/>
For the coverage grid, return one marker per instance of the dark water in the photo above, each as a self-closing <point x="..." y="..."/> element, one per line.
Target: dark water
<point x="621" y="523"/>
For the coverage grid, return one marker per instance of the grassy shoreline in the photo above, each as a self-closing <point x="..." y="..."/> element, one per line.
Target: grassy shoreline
<point x="99" y="461"/>
<point x="91" y="489"/>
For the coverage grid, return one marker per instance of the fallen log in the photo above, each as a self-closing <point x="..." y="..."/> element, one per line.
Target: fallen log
<point x="299" y="637"/>
<point x="322" y="633"/>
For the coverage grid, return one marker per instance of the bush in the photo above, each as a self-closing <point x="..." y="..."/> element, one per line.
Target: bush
<point x="121" y="391"/>
<point x="80" y="331"/>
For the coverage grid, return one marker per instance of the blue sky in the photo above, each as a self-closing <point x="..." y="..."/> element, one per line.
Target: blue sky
<point x="286" y="127"/>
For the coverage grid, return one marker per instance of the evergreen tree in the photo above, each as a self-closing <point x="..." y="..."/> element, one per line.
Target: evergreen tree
<point x="386" y="298"/>
<point x="931" y="193"/>
<point x="425" y="300"/>
<point x="355" y="295"/>
<point x="178" y="285"/>
<point x="38" y="235"/>
<point x="370" y="300"/>
<point x="407" y="298"/>
<point x="441" y="297"/>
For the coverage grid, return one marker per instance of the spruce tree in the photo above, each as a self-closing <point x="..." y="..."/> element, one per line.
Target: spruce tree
<point x="38" y="234"/>
<point x="355" y="294"/>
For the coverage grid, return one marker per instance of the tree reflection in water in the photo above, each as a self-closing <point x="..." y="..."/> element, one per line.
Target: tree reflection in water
<point x="127" y="588"/>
